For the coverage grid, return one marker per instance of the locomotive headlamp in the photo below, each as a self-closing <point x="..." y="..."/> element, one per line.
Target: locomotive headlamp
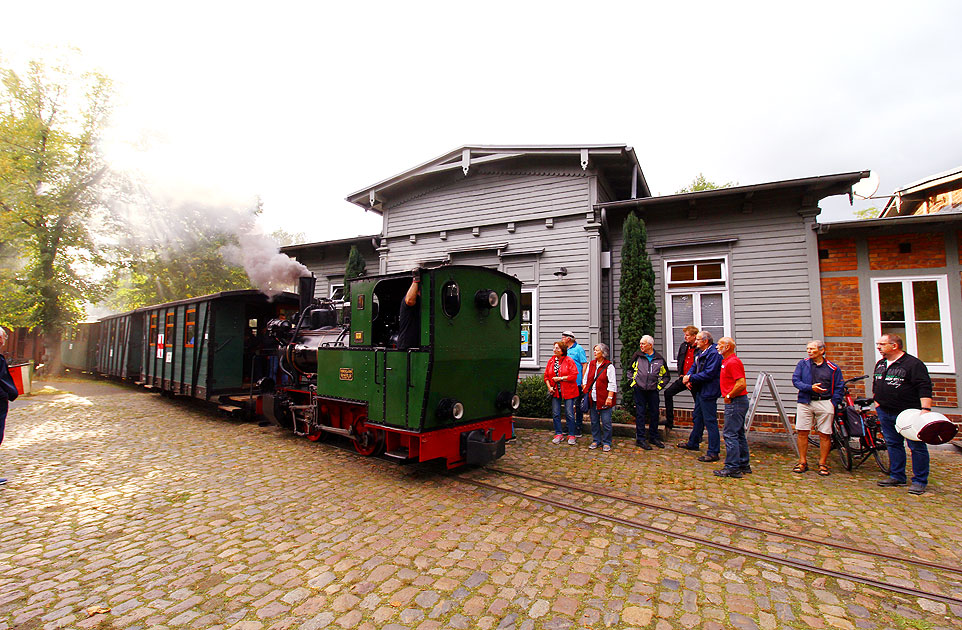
<point x="508" y="400"/>
<point x="450" y="409"/>
<point x="486" y="298"/>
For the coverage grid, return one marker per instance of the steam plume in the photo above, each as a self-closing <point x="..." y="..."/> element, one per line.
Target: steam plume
<point x="272" y="271"/>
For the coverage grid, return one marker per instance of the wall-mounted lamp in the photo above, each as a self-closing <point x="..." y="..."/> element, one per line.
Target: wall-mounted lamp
<point x="562" y="272"/>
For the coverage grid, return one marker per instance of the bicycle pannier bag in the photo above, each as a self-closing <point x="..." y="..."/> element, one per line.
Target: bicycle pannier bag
<point x="853" y="422"/>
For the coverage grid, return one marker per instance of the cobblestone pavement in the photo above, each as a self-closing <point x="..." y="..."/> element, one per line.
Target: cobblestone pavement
<point x="126" y="510"/>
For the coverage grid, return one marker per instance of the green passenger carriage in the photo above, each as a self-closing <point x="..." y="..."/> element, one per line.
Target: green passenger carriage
<point x="211" y="345"/>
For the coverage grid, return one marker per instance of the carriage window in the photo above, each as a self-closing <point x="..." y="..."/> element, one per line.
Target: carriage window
<point x="450" y="298"/>
<point x="509" y="305"/>
<point x="152" y="337"/>
<point x="190" y="328"/>
<point x="169" y="330"/>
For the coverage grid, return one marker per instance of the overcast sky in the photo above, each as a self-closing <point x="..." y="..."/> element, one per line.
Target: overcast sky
<point x="304" y="103"/>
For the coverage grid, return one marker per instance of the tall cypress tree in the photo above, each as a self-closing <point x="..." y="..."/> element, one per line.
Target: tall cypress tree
<point x="636" y="305"/>
<point x="355" y="267"/>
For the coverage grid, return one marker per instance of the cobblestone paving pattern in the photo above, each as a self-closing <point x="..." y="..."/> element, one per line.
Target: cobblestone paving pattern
<point x="125" y="510"/>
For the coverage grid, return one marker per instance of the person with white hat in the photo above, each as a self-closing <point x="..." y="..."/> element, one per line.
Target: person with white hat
<point x="580" y="357"/>
<point x="901" y="382"/>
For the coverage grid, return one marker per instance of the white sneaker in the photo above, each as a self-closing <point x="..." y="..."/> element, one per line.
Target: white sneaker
<point x="556" y="440"/>
<point x="606" y="448"/>
<point x="572" y="440"/>
<point x="593" y="445"/>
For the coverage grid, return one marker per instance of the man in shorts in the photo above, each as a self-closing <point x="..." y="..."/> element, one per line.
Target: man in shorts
<point x="819" y="384"/>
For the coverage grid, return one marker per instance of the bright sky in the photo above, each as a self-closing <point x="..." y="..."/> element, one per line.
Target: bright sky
<point x="306" y="102"/>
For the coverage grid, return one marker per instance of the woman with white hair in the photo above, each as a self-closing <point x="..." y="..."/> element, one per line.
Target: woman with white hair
<point x="601" y="385"/>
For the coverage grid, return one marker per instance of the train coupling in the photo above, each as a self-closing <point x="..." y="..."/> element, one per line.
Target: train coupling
<point x="479" y="449"/>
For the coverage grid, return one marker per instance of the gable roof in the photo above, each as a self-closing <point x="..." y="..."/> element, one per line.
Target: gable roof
<point x="618" y="162"/>
<point x="906" y="200"/>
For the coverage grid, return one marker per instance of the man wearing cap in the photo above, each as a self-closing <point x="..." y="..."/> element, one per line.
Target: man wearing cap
<point x="901" y="382"/>
<point x="578" y="355"/>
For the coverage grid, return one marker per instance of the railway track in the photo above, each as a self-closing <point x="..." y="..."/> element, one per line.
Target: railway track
<point x="783" y="560"/>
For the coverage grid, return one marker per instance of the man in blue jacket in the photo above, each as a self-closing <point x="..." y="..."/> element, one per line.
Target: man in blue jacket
<point x="702" y="380"/>
<point x="819" y="384"/>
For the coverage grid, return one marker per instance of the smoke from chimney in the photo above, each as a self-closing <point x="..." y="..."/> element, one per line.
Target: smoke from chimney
<point x="269" y="269"/>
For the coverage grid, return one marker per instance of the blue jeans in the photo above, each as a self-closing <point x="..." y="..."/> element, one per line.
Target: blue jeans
<point x="569" y="405"/>
<point x="736" y="444"/>
<point x="705" y="415"/>
<point x="894" y="442"/>
<point x="600" y="425"/>
<point x="646" y="413"/>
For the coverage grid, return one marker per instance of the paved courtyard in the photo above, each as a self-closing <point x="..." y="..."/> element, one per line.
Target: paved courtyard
<point x="127" y="510"/>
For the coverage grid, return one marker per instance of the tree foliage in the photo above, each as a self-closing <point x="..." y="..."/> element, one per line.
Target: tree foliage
<point x="356" y="266"/>
<point x="51" y="181"/>
<point x="179" y="253"/>
<point x="636" y="306"/>
<point x="700" y="183"/>
<point x="866" y="213"/>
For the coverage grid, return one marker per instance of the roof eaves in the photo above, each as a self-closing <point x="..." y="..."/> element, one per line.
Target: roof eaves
<point x="341" y="241"/>
<point x="911" y="219"/>
<point x="818" y="182"/>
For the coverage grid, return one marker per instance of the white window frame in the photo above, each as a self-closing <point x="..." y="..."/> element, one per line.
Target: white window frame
<point x="671" y="348"/>
<point x="533" y="362"/>
<point x="333" y="288"/>
<point x="908" y="300"/>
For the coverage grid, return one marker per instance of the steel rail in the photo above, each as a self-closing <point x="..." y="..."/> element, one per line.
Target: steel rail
<point x="795" y="564"/>
<point x="715" y="519"/>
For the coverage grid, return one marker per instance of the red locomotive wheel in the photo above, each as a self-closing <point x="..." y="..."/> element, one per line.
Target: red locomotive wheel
<point x="315" y="435"/>
<point x="369" y="441"/>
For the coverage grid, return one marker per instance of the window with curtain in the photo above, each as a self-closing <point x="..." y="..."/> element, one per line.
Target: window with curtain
<point x="696" y="294"/>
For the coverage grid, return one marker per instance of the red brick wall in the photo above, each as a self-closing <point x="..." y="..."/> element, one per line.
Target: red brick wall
<point x="841" y="255"/>
<point x="928" y="250"/>
<point x="841" y="311"/>
<point x="848" y="356"/>
<point x="944" y="392"/>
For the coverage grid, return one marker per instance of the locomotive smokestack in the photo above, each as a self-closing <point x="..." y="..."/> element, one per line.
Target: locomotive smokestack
<point x="305" y="289"/>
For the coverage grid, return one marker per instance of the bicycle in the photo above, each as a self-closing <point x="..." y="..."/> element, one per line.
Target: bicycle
<point x="856" y="431"/>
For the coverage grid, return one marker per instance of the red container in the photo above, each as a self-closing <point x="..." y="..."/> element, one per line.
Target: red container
<point x="18" y="372"/>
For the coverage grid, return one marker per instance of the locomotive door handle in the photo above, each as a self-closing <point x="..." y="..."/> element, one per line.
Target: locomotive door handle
<point x="376" y="382"/>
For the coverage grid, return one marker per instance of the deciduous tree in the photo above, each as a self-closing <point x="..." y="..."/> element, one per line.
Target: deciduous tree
<point x="51" y="176"/>
<point x="700" y="183"/>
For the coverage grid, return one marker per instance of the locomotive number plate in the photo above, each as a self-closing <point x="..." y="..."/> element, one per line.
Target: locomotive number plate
<point x="347" y="374"/>
<point x="359" y="336"/>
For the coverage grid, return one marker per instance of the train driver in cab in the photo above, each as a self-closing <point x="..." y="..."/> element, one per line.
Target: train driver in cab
<point x="409" y="318"/>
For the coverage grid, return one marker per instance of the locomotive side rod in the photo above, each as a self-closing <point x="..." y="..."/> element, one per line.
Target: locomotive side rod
<point x="795" y="564"/>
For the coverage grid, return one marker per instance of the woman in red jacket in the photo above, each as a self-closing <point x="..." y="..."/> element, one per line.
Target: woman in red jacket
<point x="561" y="377"/>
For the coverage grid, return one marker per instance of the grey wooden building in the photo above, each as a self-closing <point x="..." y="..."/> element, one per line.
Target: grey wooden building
<point x="739" y="261"/>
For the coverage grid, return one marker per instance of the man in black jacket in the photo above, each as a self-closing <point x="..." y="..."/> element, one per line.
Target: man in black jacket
<point x="901" y="382"/>
<point x="683" y="362"/>
<point x="649" y="374"/>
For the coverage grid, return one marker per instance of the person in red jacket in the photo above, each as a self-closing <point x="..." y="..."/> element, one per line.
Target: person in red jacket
<point x="561" y="377"/>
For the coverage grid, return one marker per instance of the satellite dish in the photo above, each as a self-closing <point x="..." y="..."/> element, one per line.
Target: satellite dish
<point x="867" y="186"/>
